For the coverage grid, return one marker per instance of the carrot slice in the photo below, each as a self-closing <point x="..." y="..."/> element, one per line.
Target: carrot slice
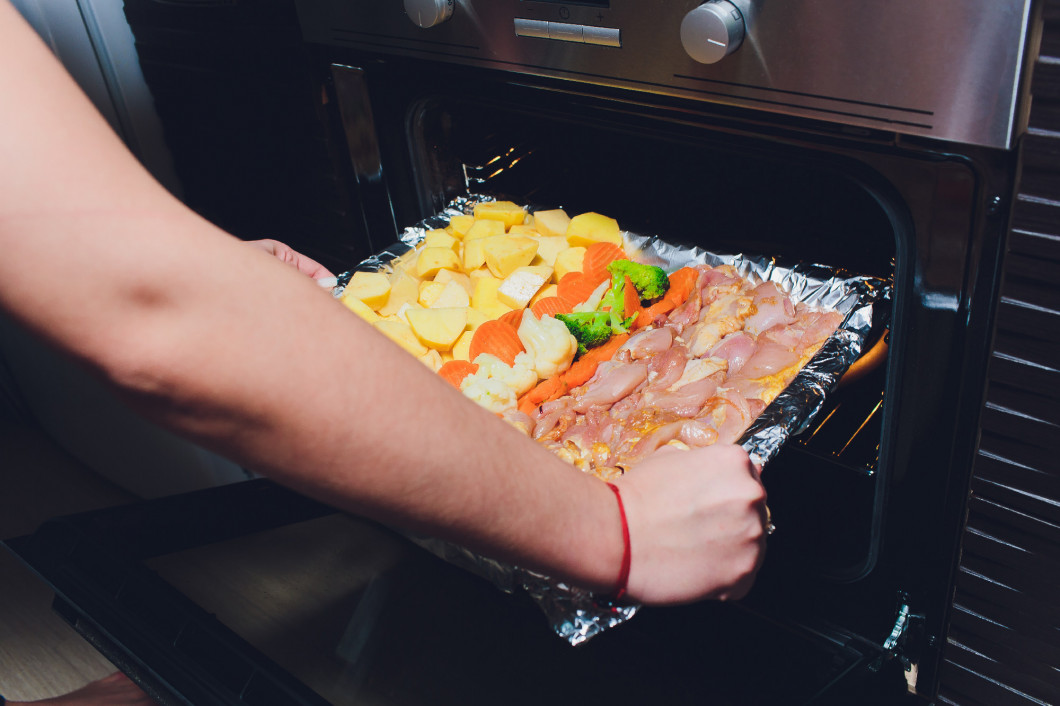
<point x="585" y="367"/>
<point x="545" y="391"/>
<point x="575" y="288"/>
<point x="513" y="317"/>
<point x="631" y="303"/>
<point x="454" y="371"/>
<point x="550" y="306"/>
<point x="497" y="338"/>
<point x="598" y="256"/>
<point x="681" y="283"/>
<point x="649" y="313"/>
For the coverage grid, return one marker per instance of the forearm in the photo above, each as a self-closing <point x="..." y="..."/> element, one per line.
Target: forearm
<point x="225" y="345"/>
<point x="356" y="421"/>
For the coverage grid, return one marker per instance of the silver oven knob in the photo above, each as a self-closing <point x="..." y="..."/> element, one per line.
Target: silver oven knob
<point x="428" y="13"/>
<point x="712" y="31"/>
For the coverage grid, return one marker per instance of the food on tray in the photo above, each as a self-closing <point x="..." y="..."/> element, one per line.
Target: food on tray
<point x="548" y="321"/>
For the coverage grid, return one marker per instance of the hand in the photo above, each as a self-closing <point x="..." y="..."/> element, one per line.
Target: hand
<point x="697" y="525"/>
<point x="284" y="253"/>
<point x="115" y="690"/>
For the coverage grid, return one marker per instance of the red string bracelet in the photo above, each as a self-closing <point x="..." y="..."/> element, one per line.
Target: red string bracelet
<point x="623" y="573"/>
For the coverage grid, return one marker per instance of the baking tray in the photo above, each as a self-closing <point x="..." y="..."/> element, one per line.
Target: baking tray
<point x="577" y="615"/>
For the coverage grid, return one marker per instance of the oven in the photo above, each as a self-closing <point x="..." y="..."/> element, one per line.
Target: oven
<point x="877" y="140"/>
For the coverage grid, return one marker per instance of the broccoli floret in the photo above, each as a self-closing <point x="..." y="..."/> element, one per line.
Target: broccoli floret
<point x="650" y="281"/>
<point x="589" y="328"/>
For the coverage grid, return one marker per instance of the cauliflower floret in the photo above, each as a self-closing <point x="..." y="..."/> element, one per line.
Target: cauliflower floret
<point x="548" y="342"/>
<point x="593" y="301"/>
<point x="490" y="393"/>
<point x="496" y="385"/>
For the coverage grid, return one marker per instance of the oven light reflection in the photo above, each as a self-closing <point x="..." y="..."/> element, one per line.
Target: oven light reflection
<point x="498" y="165"/>
<point x="867" y="420"/>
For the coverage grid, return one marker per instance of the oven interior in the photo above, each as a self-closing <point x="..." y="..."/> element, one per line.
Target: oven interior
<point x="691" y="184"/>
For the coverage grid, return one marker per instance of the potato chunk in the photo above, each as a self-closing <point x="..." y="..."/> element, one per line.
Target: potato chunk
<point x="506" y="212"/>
<point x="433" y="259"/>
<point x="552" y="223"/>
<point x="438" y="328"/>
<point x="452" y="295"/>
<point x="459" y="225"/>
<point x="520" y="286"/>
<point x="440" y="239"/>
<point x="401" y="333"/>
<point x="569" y="260"/>
<point x="504" y="254"/>
<point x="372" y="288"/>
<point x="484" y="298"/>
<point x="588" y="228"/>
<point x="404" y="289"/>
<point x="360" y="308"/>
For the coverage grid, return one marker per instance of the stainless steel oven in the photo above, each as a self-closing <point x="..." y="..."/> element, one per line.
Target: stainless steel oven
<point x="876" y="138"/>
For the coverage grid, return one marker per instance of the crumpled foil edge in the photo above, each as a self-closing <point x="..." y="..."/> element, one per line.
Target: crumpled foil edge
<point x="577" y="615"/>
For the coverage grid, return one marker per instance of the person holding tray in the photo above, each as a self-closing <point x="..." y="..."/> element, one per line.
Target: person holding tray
<point x="228" y="347"/>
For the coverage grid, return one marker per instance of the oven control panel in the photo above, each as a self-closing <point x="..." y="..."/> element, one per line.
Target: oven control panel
<point x="947" y="69"/>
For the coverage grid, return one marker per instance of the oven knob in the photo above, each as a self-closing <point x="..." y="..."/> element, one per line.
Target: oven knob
<point x="712" y="31"/>
<point x="428" y="13"/>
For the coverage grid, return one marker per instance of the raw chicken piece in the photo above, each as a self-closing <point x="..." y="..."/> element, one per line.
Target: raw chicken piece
<point x="772" y="307"/>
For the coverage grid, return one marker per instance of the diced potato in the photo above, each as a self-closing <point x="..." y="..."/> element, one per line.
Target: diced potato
<point x="433" y="259"/>
<point x="462" y="348"/>
<point x="588" y="228"/>
<point x="432" y="359"/>
<point x="459" y="225"/>
<point x="440" y="239"/>
<point x="524" y="229"/>
<point x="404" y="288"/>
<point x="544" y="270"/>
<point x="569" y="260"/>
<point x="548" y="248"/>
<point x="504" y="254"/>
<point x="474" y="255"/>
<point x="475" y="318"/>
<point x="519" y="287"/>
<point x="360" y="308"/>
<point x="372" y="288"/>
<point x="484" y="228"/>
<point x="482" y="271"/>
<point x="506" y="212"/>
<point x="549" y="290"/>
<point x="438" y="328"/>
<point x="485" y="300"/>
<point x="460" y="278"/>
<point x="401" y="334"/>
<point x="552" y="223"/>
<point x="403" y="313"/>
<point x="429" y="292"/>
<point x="451" y="296"/>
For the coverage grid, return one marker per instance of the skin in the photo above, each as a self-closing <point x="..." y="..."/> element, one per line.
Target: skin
<point x="230" y="347"/>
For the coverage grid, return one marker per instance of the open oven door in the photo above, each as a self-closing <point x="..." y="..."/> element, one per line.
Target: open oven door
<point x="251" y="594"/>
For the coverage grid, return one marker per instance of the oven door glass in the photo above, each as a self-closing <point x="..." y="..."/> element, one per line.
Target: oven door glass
<point x="249" y="594"/>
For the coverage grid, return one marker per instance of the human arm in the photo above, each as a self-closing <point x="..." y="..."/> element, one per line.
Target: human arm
<point x="225" y="345"/>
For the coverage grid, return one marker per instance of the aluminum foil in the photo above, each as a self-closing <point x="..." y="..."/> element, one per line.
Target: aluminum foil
<point x="577" y="615"/>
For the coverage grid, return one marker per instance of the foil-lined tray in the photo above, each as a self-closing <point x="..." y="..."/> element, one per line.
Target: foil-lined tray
<point x="577" y="615"/>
